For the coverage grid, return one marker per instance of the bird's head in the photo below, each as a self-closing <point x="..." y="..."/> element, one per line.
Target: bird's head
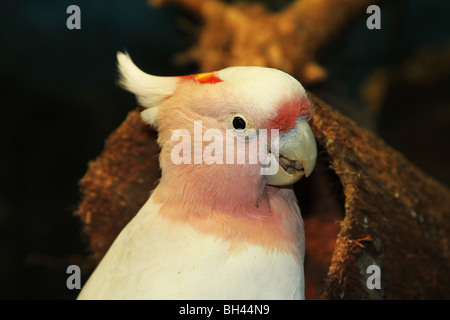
<point x="252" y="105"/>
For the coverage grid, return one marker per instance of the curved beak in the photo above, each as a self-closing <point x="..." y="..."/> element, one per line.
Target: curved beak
<point x="297" y="154"/>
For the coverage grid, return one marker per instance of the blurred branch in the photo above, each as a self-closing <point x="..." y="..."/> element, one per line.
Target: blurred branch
<point x="249" y="34"/>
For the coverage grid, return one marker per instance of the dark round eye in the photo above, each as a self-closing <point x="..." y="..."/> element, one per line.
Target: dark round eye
<point x="239" y="123"/>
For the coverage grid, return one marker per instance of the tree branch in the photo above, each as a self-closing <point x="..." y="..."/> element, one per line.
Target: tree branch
<point x="249" y="34"/>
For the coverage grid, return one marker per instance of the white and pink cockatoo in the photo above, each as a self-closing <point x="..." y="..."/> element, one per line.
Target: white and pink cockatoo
<point x="215" y="228"/>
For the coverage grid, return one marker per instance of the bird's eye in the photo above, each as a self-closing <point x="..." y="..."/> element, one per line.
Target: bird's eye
<point x="239" y="123"/>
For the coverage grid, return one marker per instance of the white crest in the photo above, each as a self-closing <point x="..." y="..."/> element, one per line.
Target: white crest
<point x="149" y="90"/>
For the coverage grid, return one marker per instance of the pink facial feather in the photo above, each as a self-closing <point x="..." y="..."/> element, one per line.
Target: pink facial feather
<point x="287" y="114"/>
<point x="228" y="201"/>
<point x="217" y="200"/>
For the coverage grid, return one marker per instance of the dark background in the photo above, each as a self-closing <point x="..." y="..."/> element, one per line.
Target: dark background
<point x="59" y="102"/>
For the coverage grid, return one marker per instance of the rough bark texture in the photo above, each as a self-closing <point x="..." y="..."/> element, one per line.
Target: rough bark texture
<point x="395" y="216"/>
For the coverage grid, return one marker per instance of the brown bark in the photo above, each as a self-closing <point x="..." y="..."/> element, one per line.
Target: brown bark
<point x="395" y="216"/>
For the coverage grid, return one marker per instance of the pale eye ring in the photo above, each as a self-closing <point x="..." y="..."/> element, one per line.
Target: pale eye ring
<point x="239" y="122"/>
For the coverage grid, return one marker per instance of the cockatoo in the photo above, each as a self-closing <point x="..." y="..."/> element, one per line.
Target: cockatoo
<point x="215" y="228"/>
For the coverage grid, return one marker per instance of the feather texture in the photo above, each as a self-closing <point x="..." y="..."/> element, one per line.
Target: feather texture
<point x="149" y="90"/>
<point x="159" y="258"/>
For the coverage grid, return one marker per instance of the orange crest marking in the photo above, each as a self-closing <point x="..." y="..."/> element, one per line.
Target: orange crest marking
<point x="202" y="78"/>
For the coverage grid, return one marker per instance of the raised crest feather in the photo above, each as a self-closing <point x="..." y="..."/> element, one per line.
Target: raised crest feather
<point x="149" y="90"/>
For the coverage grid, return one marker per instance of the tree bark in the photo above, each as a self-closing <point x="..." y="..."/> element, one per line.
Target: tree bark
<point x="396" y="217"/>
